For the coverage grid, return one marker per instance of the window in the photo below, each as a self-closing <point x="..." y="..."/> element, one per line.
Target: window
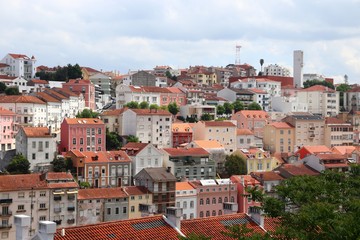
<point x="201" y="201"/>
<point x="47" y="144"/>
<point x="33" y="144"/>
<point x="220" y="200"/>
<point x="132" y="209"/>
<point x="4" y="235"/>
<point x="124" y="210"/>
<point x="191" y="215"/>
<point x="108" y="211"/>
<point x="207" y="201"/>
<point x="99" y="130"/>
<point x="21" y="195"/>
<point x="214" y="201"/>
<point x="225" y="199"/>
<point x="46" y="155"/>
<point x="74" y="140"/>
<point x="201" y="214"/>
<point x="220" y="213"/>
<point x="232" y="199"/>
<point x="42" y="218"/>
<point x="42" y="194"/>
<point x="184" y="204"/>
<point x="21" y="208"/>
<point x="81" y="141"/>
<point x="117" y="210"/>
<point x="208" y="213"/>
<point x="191" y="204"/>
<point x="31" y="194"/>
<point x="99" y="140"/>
<point x="213" y="213"/>
<point x="33" y="156"/>
<point x="42" y="205"/>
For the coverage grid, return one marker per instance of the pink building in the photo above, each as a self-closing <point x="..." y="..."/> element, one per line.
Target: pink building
<point x="173" y="94"/>
<point x="83" y="134"/>
<point x="85" y="87"/>
<point x="244" y="199"/>
<point x="212" y="194"/>
<point x="7" y="129"/>
<point x="254" y="120"/>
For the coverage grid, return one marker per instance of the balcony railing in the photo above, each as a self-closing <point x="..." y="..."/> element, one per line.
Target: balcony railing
<point x="6" y="201"/>
<point x="71" y="221"/>
<point x="57" y="210"/>
<point x="6" y="213"/>
<point x="71" y="197"/>
<point x="57" y="198"/>
<point x="5" y="226"/>
<point x="71" y="209"/>
<point x="58" y="222"/>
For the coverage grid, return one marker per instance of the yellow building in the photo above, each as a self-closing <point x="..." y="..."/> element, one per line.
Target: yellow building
<point x="202" y="76"/>
<point x="258" y="160"/>
<point x="279" y="137"/>
<point x="138" y="196"/>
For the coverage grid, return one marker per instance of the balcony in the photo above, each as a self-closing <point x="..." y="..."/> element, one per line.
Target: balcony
<point x="6" y="201"/>
<point x="71" y="221"/>
<point x="57" y="210"/>
<point x="5" y="226"/>
<point x="71" y="197"/>
<point x="58" y="222"/>
<point x="57" y="198"/>
<point x="6" y="214"/>
<point x="71" y="209"/>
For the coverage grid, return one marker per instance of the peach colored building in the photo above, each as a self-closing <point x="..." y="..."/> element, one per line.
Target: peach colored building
<point x="279" y="137"/>
<point x="338" y="133"/>
<point x="83" y="134"/>
<point x="102" y="169"/>
<point x="7" y="129"/>
<point x="254" y="120"/>
<point x="181" y="133"/>
<point x="86" y="87"/>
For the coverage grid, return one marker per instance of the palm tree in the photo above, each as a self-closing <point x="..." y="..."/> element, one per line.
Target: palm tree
<point x="261" y="64"/>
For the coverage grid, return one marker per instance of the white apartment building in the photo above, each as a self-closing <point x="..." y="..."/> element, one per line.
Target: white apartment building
<point x="19" y="82"/>
<point x="72" y="104"/>
<point x="276" y="70"/>
<point x="288" y="104"/>
<point x="125" y="94"/>
<point x="30" y="110"/>
<point x="149" y="125"/>
<point x="143" y="155"/>
<point x="320" y="100"/>
<point x="38" y="145"/>
<point x="352" y="99"/>
<point x="186" y="199"/>
<point x="273" y="88"/>
<point x="49" y="196"/>
<point x="20" y="65"/>
<point x="53" y="110"/>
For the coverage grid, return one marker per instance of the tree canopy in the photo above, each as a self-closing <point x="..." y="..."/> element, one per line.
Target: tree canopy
<point x="113" y="141"/>
<point x="310" y="83"/>
<point x="228" y="108"/>
<point x="206" y="117"/>
<point x="87" y="113"/>
<point x="19" y="165"/>
<point x="61" y="164"/>
<point x="173" y="108"/>
<point x="254" y="106"/>
<point x="235" y="165"/>
<point x="220" y="110"/>
<point x="61" y="73"/>
<point x="132" y="104"/>
<point x="144" y="105"/>
<point x="132" y="138"/>
<point x="238" y="105"/>
<point x="326" y="206"/>
<point x="2" y="87"/>
<point x="13" y="90"/>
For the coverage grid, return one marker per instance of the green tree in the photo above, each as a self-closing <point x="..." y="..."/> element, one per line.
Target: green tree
<point x="242" y="232"/>
<point x="132" y="138"/>
<point x="144" y="105"/>
<point x="238" y="106"/>
<point x="2" y="87"/>
<point x="132" y="104"/>
<point x="73" y="72"/>
<point x="173" y="108"/>
<point x="154" y="106"/>
<point x="18" y="165"/>
<point x="84" y="185"/>
<point x="220" y="110"/>
<point x="87" y="113"/>
<point x="254" y="106"/>
<point x="59" y="165"/>
<point x="206" y="117"/>
<point x="113" y="141"/>
<point x="235" y="165"/>
<point x="228" y="108"/>
<point x="12" y="91"/>
<point x="310" y="83"/>
<point x="191" y="119"/>
<point x="317" y="207"/>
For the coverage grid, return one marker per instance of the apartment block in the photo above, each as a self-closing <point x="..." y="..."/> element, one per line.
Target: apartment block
<point x="279" y="137"/>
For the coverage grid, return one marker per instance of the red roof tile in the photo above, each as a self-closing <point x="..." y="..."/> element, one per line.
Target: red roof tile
<point x="318" y="88"/>
<point x="267" y="176"/>
<point x="46" y="97"/>
<point x="244" y="131"/>
<point x="299" y="170"/>
<point x="175" y="152"/>
<point x="84" y="121"/>
<point x="4" y="111"/>
<point x="101" y="193"/>
<point x="20" y="99"/>
<point x="136" y="190"/>
<point x="17" y="56"/>
<point x="254" y="114"/>
<point x="132" y="148"/>
<point x="106" y="156"/>
<point x="281" y="125"/>
<point x="39" y="132"/>
<point x="219" y="124"/>
<point x="332" y="120"/>
<point x="151" y="112"/>
<point x="114" y="112"/>
<point x="150" y="228"/>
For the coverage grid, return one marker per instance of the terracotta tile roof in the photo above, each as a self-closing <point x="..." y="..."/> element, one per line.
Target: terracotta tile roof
<point x="281" y="125"/>
<point x="17" y="56"/>
<point x="151" y="112"/>
<point x="343" y="150"/>
<point x="317" y="149"/>
<point x="214" y="226"/>
<point x="46" y="97"/>
<point x="183" y="152"/>
<point x="90" y="70"/>
<point x="38" y="132"/>
<point x="7" y="77"/>
<point x="55" y="94"/>
<point x="183" y="186"/>
<point x="4" y="111"/>
<point x="59" y="176"/>
<point x="336" y="165"/>
<point x="248" y="179"/>
<point x="331" y="156"/>
<point x="149" y="89"/>
<point x="267" y="176"/>
<point x="299" y="170"/>
<point x="77" y="153"/>
<point x="219" y="124"/>
<point x="150" y="228"/>
<point x="254" y="114"/>
<point x="38" y="81"/>
<point x="78" y="81"/>
<point x="258" y="91"/>
<point x="68" y="184"/>
<point x="271" y="224"/>
<point x="89" y="121"/>
<point x="207" y="144"/>
<point x="2" y="65"/>
<point x="318" y="88"/>
<point x="101" y="193"/>
<point x="158" y="174"/>
<point x="132" y="148"/>
<point x="136" y="190"/>
<point x="65" y="92"/>
<point x="114" y="112"/>
<point x="212" y="97"/>
<point x="244" y="131"/>
<point x="332" y="120"/>
<point x="106" y="156"/>
<point x="175" y="90"/>
<point x="181" y="127"/>
<point x="20" y="99"/>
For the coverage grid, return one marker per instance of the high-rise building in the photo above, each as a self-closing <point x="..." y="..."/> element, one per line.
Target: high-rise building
<point x="298" y="68"/>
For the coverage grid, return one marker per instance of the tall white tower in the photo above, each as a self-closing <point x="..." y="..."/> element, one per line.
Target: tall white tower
<point x="298" y="68"/>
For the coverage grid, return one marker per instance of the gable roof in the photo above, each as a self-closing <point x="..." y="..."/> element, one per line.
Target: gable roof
<point x="317" y="149"/>
<point x="214" y="226"/>
<point x="101" y="193"/>
<point x="183" y="152"/>
<point x="254" y="113"/>
<point x="158" y="174"/>
<point x="344" y="150"/>
<point x="4" y="111"/>
<point x="106" y="156"/>
<point x="244" y="131"/>
<point x="318" y="88"/>
<point x="267" y="176"/>
<point x="113" y="112"/>
<point x="281" y="125"/>
<point x="20" y="99"/>
<point x="133" y="148"/>
<point x="181" y="127"/>
<point x="298" y="169"/>
<point x="208" y="144"/>
<point x="179" y="186"/>
<point x="46" y="97"/>
<point x="136" y="190"/>
<point x="72" y="121"/>
<point x="37" y="132"/>
<point x="151" y="228"/>
<point x="17" y="56"/>
<point x="219" y="124"/>
<point x="151" y="112"/>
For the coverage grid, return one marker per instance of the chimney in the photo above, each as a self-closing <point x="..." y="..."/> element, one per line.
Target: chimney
<point x="173" y="217"/>
<point x="257" y="215"/>
<point x="168" y="169"/>
<point x="22" y="225"/>
<point x="47" y="230"/>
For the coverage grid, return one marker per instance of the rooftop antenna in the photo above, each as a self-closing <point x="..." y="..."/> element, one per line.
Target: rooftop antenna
<point x="237" y="54"/>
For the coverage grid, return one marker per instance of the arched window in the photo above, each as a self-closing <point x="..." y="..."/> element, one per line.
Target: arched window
<point x="213" y="213"/>
<point x="232" y="199"/>
<point x="214" y="201"/>
<point x="201" y="201"/>
<point x="225" y="199"/>
<point x="220" y="200"/>
<point x="201" y="214"/>
<point x="208" y="213"/>
<point x="207" y="201"/>
<point x="220" y="213"/>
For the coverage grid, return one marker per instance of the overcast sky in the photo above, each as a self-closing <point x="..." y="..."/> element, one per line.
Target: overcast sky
<point x="140" y="34"/>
